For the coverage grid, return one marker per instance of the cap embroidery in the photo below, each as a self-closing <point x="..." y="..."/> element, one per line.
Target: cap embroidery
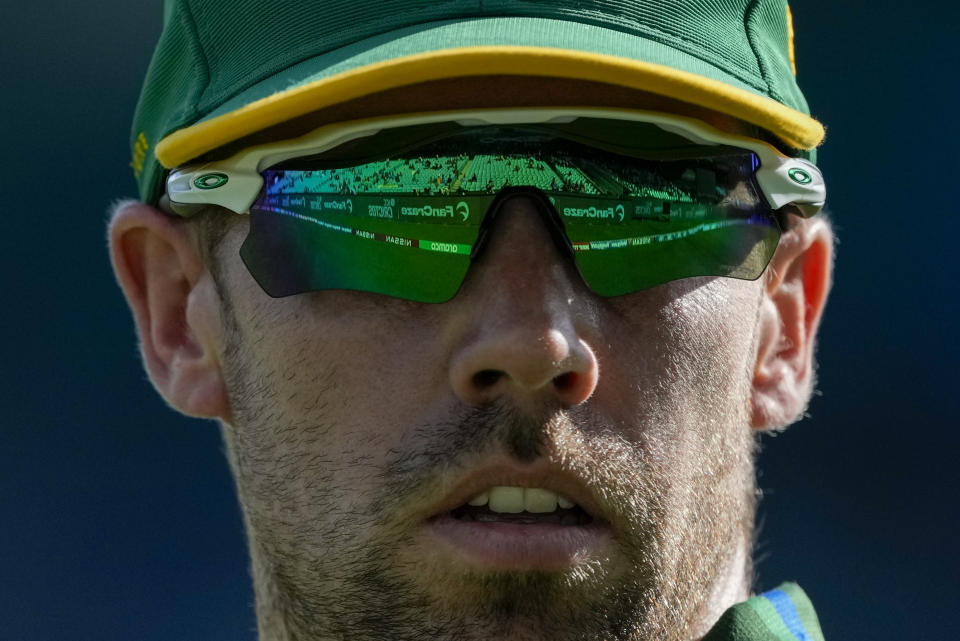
<point x="140" y="147"/>
<point x="790" y="50"/>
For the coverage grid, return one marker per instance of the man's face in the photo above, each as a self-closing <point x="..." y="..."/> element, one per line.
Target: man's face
<point x="359" y="422"/>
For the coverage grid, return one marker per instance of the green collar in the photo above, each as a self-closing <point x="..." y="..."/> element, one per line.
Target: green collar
<point x="782" y="614"/>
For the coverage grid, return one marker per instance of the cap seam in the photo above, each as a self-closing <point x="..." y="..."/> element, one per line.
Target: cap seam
<point x="764" y="71"/>
<point x="192" y="111"/>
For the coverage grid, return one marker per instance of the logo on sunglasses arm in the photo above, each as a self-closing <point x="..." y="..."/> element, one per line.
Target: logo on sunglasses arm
<point x="800" y="176"/>
<point x="211" y="181"/>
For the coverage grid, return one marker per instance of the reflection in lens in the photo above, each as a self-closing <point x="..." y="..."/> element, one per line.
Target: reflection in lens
<point x="404" y="226"/>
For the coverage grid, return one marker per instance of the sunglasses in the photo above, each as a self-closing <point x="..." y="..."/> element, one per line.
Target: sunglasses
<point x="400" y="206"/>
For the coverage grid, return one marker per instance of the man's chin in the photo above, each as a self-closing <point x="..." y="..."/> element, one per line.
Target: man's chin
<point x="547" y="605"/>
<point x="583" y="601"/>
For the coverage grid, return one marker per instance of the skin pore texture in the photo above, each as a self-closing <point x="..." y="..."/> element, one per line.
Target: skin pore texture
<point x="347" y="416"/>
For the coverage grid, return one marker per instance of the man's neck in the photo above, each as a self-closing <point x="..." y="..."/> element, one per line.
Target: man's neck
<point x="732" y="587"/>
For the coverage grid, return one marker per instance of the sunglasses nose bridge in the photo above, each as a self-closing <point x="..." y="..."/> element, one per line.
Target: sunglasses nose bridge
<point x="543" y="206"/>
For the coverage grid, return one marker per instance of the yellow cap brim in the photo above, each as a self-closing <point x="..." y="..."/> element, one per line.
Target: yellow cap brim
<point x="795" y="128"/>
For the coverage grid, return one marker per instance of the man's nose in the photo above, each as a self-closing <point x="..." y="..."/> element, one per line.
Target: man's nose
<point x="527" y="318"/>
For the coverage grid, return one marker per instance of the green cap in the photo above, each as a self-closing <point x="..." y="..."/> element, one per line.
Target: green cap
<point x="227" y="69"/>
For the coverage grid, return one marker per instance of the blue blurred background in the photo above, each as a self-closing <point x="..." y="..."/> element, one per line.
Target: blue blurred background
<point x="118" y="518"/>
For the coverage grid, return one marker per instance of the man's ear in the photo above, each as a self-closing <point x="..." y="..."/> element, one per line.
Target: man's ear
<point x="798" y="280"/>
<point x="175" y="305"/>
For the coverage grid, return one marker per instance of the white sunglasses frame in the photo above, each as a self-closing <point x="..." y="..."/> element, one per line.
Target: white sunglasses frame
<point x="235" y="183"/>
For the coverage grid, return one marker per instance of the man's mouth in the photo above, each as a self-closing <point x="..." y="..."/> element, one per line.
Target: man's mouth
<point x="505" y="518"/>
<point x="522" y="505"/>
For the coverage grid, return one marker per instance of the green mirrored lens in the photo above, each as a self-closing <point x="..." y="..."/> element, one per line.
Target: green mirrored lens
<point x="406" y="225"/>
<point x="639" y="254"/>
<point x="309" y="242"/>
<point x="677" y="219"/>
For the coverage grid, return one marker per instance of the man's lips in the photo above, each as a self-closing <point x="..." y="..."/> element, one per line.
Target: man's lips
<point x="499" y="544"/>
<point x="509" y="475"/>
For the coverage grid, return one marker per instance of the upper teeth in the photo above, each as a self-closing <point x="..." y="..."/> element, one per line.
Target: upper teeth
<point x="513" y="500"/>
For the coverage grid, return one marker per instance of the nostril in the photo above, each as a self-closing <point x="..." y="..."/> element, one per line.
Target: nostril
<point x="486" y="378"/>
<point x="565" y="381"/>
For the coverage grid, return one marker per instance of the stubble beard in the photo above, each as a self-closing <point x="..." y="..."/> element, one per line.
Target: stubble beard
<point x="327" y="565"/>
<point x="321" y="571"/>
